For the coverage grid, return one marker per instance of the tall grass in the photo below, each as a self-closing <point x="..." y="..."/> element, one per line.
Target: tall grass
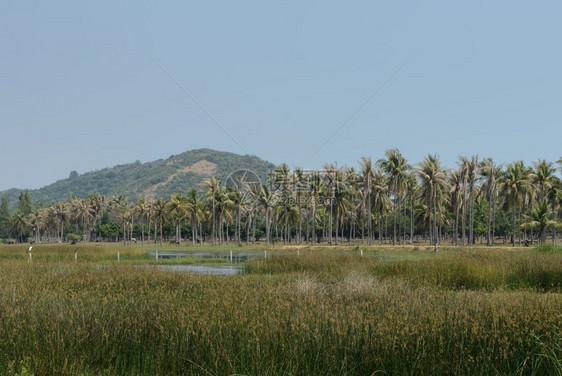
<point x="474" y="270"/>
<point x="313" y="314"/>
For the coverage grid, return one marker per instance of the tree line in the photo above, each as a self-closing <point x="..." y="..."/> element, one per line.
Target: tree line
<point x="388" y="201"/>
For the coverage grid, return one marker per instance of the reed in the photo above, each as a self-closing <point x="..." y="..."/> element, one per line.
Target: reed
<point x="318" y="313"/>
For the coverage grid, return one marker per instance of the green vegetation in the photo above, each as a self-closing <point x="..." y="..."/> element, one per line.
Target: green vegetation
<point x="393" y="311"/>
<point x="353" y="282"/>
<point x="136" y="179"/>
<point x="387" y="202"/>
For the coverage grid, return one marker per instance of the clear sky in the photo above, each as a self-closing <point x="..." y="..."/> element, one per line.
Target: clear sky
<point x="79" y="91"/>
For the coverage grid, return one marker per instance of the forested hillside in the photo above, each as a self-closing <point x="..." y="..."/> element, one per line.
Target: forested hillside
<point x="160" y="178"/>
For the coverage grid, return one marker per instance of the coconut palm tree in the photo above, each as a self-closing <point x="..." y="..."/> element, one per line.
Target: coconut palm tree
<point x="97" y="205"/>
<point x="141" y="209"/>
<point x="456" y="191"/>
<point x="513" y="185"/>
<point x="464" y="171"/>
<point x="267" y="200"/>
<point x="299" y="184"/>
<point x="542" y="176"/>
<point x="60" y="211"/>
<point x="83" y="213"/>
<point x="225" y="209"/>
<point x="541" y="219"/>
<point x="557" y="209"/>
<point x="469" y="171"/>
<point x="490" y="172"/>
<point x="237" y="199"/>
<point x="125" y="218"/>
<point x="212" y="185"/>
<point x="19" y="225"/>
<point x="159" y="213"/>
<point x="381" y="202"/>
<point x="283" y="182"/>
<point x="178" y="209"/>
<point x="434" y="184"/>
<point x="395" y="167"/>
<point x="472" y="179"/>
<point x="411" y="193"/>
<point x="287" y="214"/>
<point x="329" y="177"/>
<point x="366" y="215"/>
<point x="353" y="183"/>
<point x="37" y="220"/>
<point x="315" y="187"/>
<point x="196" y="212"/>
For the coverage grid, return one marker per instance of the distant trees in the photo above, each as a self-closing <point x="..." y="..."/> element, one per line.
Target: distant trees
<point x="389" y="201"/>
<point x="4" y="218"/>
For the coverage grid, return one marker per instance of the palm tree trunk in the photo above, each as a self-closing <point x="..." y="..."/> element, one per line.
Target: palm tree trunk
<point x="307" y="225"/>
<point x="248" y="224"/>
<point x="337" y="223"/>
<point x="436" y="242"/>
<point x="363" y="222"/>
<point x="395" y="211"/>
<point x="213" y="219"/>
<point x="254" y="229"/>
<point x="330" y="221"/>
<point x="299" y="232"/>
<point x="238" y="220"/>
<point x="411" y="220"/>
<point x="494" y="219"/>
<point x="471" y="217"/>
<point x="369" y="221"/>
<point x="519" y="227"/>
<point x="385" y="228"/>
<point x="489" y="241"/>
<point x="463" y="225"/>
<point x="313" y="219"/>
<point x="267" y="227"/>
<point x="513" y="234"/>
<point x="380" y="228"/>
<point x="404" y="219"/>
<point x="193" y="232"/>
<point x="456" y="231"/>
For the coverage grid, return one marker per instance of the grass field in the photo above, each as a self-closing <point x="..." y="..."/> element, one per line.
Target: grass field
<point x="397" y="310"/>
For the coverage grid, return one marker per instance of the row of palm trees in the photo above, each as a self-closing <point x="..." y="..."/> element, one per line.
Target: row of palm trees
<point x="389" y="200"/>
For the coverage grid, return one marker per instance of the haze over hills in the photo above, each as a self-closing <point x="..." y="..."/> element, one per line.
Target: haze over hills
<point x="160" y="178"/>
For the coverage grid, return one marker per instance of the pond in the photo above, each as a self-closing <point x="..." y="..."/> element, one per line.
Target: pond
<point x="201" y="269"/>
<point x="231" y="256"/>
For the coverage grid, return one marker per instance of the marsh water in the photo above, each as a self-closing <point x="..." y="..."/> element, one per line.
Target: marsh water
<point x="203" y="269"/>
<point x="232" y="257"/>
<point x="229" y="256"/>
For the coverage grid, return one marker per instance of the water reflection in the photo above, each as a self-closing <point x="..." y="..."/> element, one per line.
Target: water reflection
<point x="202" y="269"/>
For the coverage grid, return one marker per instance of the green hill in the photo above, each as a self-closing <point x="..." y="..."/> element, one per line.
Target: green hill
<point x="160" y="178"/>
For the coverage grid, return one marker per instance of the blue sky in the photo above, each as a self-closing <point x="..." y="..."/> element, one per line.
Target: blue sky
<point x="78" y="90"/>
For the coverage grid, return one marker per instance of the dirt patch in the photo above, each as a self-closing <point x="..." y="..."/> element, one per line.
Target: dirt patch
<point x="203" y="167"/>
